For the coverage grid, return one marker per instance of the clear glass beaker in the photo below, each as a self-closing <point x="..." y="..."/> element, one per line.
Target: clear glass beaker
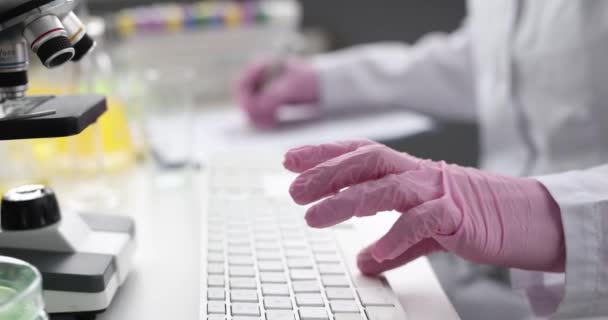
<point x="20" y="291"/>
<point x="170" y="97"/>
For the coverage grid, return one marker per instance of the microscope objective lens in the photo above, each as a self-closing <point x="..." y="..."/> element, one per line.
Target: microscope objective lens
<point x="49" y="40"/>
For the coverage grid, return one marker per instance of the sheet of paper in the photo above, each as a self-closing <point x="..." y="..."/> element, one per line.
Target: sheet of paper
<point x="226" y="129"/>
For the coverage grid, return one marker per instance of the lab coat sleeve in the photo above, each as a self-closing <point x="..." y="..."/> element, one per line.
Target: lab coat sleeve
<point x="434" y="76"/>
<point x="583" y="200"/>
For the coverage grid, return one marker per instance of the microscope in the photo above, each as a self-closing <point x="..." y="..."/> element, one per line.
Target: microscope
<point x="83" y="258"/>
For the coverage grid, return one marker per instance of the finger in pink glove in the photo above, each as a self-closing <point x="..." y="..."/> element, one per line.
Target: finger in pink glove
<point x="297" y="83"/>
<point x="483" y="217"/>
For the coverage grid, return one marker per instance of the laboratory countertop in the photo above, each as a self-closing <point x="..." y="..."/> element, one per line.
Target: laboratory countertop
<point x="164" y="280"/>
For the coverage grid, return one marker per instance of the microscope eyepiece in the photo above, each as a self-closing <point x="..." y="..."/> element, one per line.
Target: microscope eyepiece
<point x="82" y="42"/>
<point x="49" y="40"/>
<point x="55" y="52"/>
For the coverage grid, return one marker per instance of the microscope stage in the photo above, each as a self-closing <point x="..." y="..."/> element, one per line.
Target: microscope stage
<point x="72" y="115"/>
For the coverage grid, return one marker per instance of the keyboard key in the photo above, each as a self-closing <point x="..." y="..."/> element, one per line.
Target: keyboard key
<point x="348" y="316"/>
<point x="272" y="277"/>
<point x="215" y="268"/>
<point x="339" y="294"/>
<point x="323" y="247"/>
<point x="277" y="303"/>
<point x="242" y="295"/>
<point x="334" y="281"/>
<point x="343" y="306"/>
<point x="265" y="224"/>
<point x="297" y="253"/>
<point x="216" y="307"/>
<point x="245" y="309"/>
<point x="234" y="238"/>
<point x="240" y="251"/>
<point x="287" y="227"/>
<point x="237" y="224"/>
<point x="309" y="300"/>
<point x="375" y="297"/>
<point x="215" y="246"/>
<point x="216" y="237"/>
<point x="294" y="236"/>
<point x="313" y="313"/>
<point x="305" y="286"/>
<point x="270" y="255"/>
<point x="268" y="246"/>
<point x="216" y="317"/>
<point x="238" y="232"/>
<point x="383" y="313"/>
<point x="215" y="281"/>
<point x="248" y="272"/>
<point x="243" y="283"/>
<point x="270" y="266"/>
<point x="295" y="244"/>
<point x="280" y="315"/>
<point x="240" y="260"/>
<point x="215" y="257"/>
<point x="216" y="229"/>
<point x="331" y="269"/>
<point x="318" y="236"/>
<point x="275" y="290"/>
<point x="270" y="237"/>
<point x="327" y="258"/>
<point x="299" y="263"/>
<point x="303" y="274"/>
<point x="216" y="294"/>
<point x="239" y="241"/>
<point x="245" y="318"/>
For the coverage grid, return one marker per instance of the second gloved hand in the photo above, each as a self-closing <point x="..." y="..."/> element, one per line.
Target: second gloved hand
<point x="482" y="217"/>
<point x="261" y="93"/>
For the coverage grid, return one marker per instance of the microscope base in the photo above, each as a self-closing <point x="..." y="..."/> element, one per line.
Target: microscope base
<point x="85" y="281"/>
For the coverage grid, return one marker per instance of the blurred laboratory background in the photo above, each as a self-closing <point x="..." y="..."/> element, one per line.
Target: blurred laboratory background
<point x="168" y="68"/>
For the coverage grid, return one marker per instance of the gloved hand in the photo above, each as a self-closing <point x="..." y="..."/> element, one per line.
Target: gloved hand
<point x="482" y="217"/>
<point x="297" y="83"/>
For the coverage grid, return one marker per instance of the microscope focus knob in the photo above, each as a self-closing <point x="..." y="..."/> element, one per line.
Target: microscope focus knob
<point x="29" y="207"/>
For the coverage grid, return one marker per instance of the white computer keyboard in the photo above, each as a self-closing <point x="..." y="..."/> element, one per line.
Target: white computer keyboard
<point x="261" y="261"/>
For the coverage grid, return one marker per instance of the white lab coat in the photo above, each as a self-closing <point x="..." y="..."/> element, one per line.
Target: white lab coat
<point x="534" y="74"/>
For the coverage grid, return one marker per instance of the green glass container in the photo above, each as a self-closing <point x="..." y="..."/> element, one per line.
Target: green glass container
<point x="20" y="291"/>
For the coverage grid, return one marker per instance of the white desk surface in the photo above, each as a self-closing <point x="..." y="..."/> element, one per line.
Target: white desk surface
<point x="164" y="282"/>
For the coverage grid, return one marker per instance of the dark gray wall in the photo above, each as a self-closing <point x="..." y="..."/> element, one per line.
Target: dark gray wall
<point x="351" y="22"/>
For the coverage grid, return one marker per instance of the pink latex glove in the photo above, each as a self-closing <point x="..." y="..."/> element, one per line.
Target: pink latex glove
<point x="297" y="83"/>
<point x="482" y="217"/>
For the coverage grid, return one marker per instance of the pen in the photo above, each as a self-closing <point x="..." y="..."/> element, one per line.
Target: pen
<point x="286" y="49"/>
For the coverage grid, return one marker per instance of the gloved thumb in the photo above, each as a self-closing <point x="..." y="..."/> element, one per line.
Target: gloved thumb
<point x="370" y="266"/>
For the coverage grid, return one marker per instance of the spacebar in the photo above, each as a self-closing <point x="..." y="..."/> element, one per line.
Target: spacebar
<point x="384" y="313"/>
<point x="349" y="245"/>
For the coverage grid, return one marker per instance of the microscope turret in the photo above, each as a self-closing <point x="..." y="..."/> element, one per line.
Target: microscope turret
<point x="56" y="35"/>
<point x="49" y="28"/>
